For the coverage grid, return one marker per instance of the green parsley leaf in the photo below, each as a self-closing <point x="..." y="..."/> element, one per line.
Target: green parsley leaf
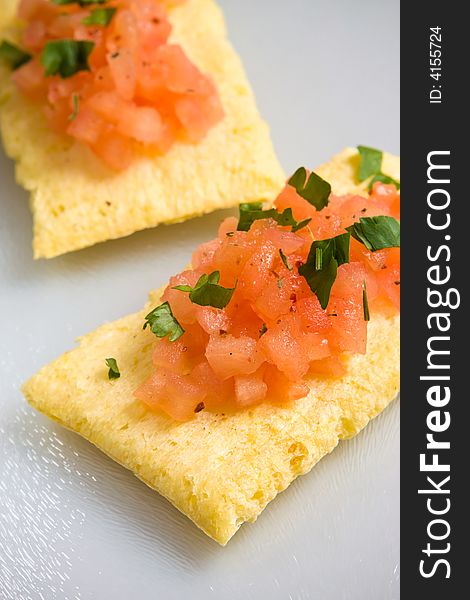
<point x="376" y="233"/>
<point x="285" y="219"/>
<point x="285" y="260"/>
<point x="324" y="258"/>
<point x="322" y="281"/>
<point x="163" y="323"/>
<point x="13" y="55"/>
<point x="100" y="16"/>
<point x="207" y="291"/>
<point x="297" y="180"/>
<point x="300" y="225"/>
<point x="280" y="283"/>
<point x="76" y="107"/>
<point x="371" y="166"/>
<point x="66" y="57"/>
<point x="114" y="372"/>
<point x="384" y="179"/>
<point x="365" y="302"/>
<point x="263" y="330"/>
<point x="341" y="248"/>
<point x="315" y="190"/>
<point x="371" y="162"/>
<point x="249" y="212"/>
<point x="253" y="211"/>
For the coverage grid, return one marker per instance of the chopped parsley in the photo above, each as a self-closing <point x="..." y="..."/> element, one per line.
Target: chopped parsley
<point x="66" y="57"/>
<point x="321" y="268"/>
<point x="114" y="372"/>
<point x="314" y="189"/>
<point x="371" y="166"/>
<point x="376" y="233"/>
<point x="163" y="323"/>
<point x="207" y="291"/>
<point x="365" y="302"/>
<point x="13" y="55"/>
<point x="371" y="162"/>
<point x="263" y="330"/>
<point x="100" y="16"/>
<point x="300" y="225"/>
<point x="253" y="211"/>
<point x="285" y="260"/>
<point x="384" y="179"/>
<point x="76" y="107"/>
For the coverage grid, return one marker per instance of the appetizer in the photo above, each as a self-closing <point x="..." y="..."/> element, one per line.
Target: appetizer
<point x="281" y="339"/>
<point x="123" y="114"/>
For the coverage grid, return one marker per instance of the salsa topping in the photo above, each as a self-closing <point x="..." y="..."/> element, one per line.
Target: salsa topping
<point x="264" y="306"/>
<point x="138" y="92"/>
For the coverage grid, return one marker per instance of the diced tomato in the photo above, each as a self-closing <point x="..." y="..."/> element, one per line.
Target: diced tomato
<point x="204" y="254"/>
<point x="282" y="347"/>
<point x="214" y="388"/>
<point x="328" y="367"/>
<point x="281" y="389"/>
<point x="30" y="9"/>
<point x="114" y="149"/>
<point x="30" y="79"/>
<point x="229" y="355"/>
<point x="258" y="270"/>
<point x="123" y="72"/>
<point x="34" y="35"/>
<point x="213" y="320"/>
<point x="312" y="315"/>
<point x="349" y="329"/>
<point x="250" y="389"/>
<point x="141" y="123"/>
<point x="87" y="126"/>
<point x="178" y="395"/>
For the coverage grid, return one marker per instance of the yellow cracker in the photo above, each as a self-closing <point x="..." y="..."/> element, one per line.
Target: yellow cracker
<point x="219" y="470"/>
<point x="77" y="202"/>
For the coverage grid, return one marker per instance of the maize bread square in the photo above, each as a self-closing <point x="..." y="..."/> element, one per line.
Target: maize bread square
<point x="77" y="201"/>
<point x="219" y="470"/>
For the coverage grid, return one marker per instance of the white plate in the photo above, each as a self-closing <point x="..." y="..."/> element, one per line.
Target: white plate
<point x="75" y="525"/>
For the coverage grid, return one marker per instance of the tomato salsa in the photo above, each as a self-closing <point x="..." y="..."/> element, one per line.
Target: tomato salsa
<point x="107" y="75"/>
<point x="282" y="293"/>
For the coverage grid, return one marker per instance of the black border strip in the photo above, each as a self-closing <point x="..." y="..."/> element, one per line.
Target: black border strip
<point x="434" y="127"/>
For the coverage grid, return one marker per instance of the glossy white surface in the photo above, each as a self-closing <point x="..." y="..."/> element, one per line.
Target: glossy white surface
<point x="75" y="525"/>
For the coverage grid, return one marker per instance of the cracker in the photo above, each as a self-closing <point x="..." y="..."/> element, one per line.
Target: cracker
<point x="219" y="470"/>
<point x="77" y="201"/>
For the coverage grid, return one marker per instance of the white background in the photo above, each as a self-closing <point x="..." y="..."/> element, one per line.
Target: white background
<point x="75" y="525"/>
